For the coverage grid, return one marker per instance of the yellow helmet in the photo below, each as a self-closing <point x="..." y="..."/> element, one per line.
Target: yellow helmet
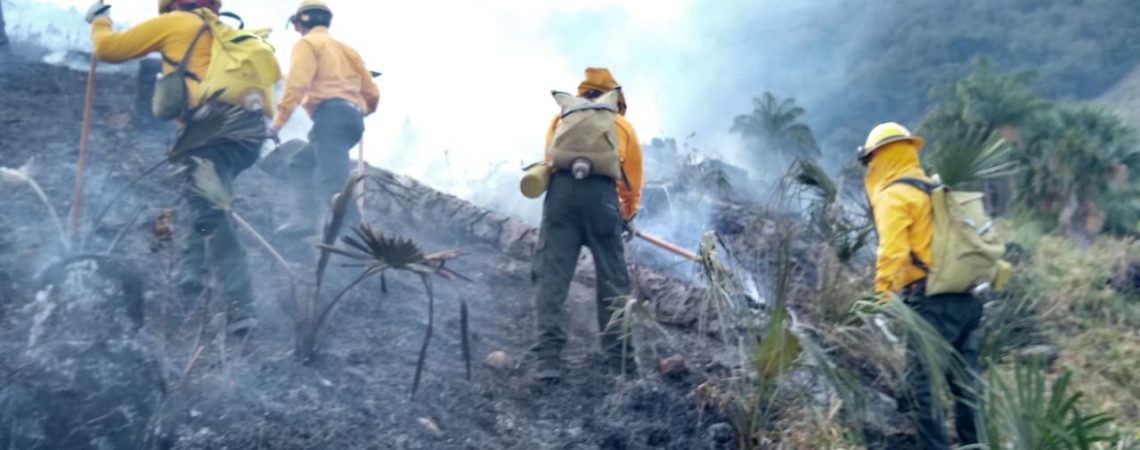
<point x="164" y="5"/>
<point x="312" y="5"/>
<point x="883" y="134"/>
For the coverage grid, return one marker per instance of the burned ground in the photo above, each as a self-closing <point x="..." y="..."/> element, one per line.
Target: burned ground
<point x="355" y="395"/>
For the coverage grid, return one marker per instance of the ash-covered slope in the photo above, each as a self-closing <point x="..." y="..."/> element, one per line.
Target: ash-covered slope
<point x="253" y="394"/>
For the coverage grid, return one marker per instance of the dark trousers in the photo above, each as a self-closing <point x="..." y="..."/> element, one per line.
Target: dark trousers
<point x="319" y="170"/>
<point x="211" y="253"/>
<point x="579" y="213"/>
<point x="956" y="318"/>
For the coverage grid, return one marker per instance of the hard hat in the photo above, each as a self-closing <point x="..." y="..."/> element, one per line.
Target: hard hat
<point x="312" y="5"/>
<point x="164" y="5"/>
<point x="883" y="134"/>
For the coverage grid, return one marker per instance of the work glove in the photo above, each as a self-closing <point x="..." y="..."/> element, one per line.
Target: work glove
<point x="274" y="134"/>
<point x="97" y="10"/>
<point x="628" y="230"/>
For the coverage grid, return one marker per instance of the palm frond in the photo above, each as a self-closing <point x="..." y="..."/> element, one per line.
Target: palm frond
<point x="395" y="252"/>
<point x="206" y="184"/>
<point x="963" y="155"/>
<point x="216" y="123"/>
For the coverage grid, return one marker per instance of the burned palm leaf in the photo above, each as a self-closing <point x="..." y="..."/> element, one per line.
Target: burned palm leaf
<point x="212" y="124"/>
<point x="340" y="208"/>
<point x="379" y="253"/>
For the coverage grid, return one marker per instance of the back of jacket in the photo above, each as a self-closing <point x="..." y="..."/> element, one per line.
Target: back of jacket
<point x="323" y="68"/>
<point x="903" y="217"/>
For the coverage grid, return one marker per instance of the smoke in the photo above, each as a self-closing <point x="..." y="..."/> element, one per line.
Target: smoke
<point x="465" y="92"/>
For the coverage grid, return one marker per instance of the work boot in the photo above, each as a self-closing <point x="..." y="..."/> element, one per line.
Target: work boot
<point x="548" y="371"/>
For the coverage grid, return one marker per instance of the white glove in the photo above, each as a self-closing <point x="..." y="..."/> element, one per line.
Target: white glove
<point x="98" y="10"/>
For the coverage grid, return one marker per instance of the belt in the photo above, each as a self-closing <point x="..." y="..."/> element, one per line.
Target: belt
<point x="339" y="100"/>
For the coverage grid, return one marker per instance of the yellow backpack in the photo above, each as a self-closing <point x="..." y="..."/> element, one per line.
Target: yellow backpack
<point x="243" y="67"/>
<point x="966" y="251"/>
<point x="243" y="70"/>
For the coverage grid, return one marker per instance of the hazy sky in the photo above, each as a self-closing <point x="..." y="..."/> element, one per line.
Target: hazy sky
<point x="465" y="90"/>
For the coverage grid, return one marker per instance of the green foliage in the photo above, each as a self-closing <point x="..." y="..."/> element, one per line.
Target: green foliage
<point x="1079" y="49"/>
<point x="774" y="126"/>
<point x="985" y="101"/>
<point x="1077" y="156"/>
<point x="1025" y="412"/>
<point x="964" y="157"/>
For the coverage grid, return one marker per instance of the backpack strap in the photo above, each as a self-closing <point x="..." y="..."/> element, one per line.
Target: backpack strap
<point x="922" y="185"/>
<point x="181" y="66"/>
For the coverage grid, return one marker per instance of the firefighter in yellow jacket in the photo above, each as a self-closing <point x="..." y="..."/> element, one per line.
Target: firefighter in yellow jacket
<point x="898" y="189"/>
<point x="590" y="212"/>
<point x="211" y="253"/>
<point x="329" y="79"/>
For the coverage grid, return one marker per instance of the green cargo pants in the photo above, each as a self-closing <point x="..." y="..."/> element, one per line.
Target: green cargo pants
<point x="956" y="317"/>
<point x="210" y="249"/>
<point x="319" y="170"/>
<point x="579" y="213"/>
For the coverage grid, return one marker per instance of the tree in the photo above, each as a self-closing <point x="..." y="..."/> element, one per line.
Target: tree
<point x="774" y="126"/>
<point x="987" y="101"/>
<point x="1074" y="159"/>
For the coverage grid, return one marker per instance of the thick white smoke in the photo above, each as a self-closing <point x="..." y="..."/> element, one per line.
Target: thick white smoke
<point x="465" y="91"/>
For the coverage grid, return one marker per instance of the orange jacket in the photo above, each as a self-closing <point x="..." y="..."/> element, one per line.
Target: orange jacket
<point x="629" y="151"/>
<point x="169" y="34"/>
<point x="903" y="216"/>
<point x="323" y="68"/>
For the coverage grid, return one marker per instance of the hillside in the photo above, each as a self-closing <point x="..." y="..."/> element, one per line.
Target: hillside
<point x="356" y="395"/>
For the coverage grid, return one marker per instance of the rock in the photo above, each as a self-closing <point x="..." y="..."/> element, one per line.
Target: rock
<point x="672" y="367"/>
<point x="500" y="360"/>
<point x="86" y="377"/>
<point x="1047" y="354"/>
<point x="721" y="433"/>
<point x="430" y="425"/>
<point x="883" y="417"/>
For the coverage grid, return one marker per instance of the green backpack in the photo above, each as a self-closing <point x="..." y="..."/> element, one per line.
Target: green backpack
<point x="966" y="251"/>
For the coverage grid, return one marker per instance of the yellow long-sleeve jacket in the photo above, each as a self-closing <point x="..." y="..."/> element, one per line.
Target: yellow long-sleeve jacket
<point x="323" y="68"/>
<point x="169" y="34"/>
<point x="629" y="152"/>
<point x="903" y="216"/>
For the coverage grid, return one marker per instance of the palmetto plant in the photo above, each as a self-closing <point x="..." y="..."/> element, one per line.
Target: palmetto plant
<point x="964" y="156"/>
<point x="1073" y="157"/>
<point x="1025" y="412"/>
<point x="774" y="125"/>
<point x="377" y="253"/>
